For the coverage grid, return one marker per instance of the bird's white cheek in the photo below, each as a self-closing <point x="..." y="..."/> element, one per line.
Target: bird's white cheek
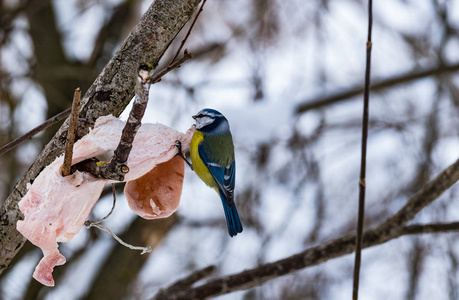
<point x="201" y="122"/>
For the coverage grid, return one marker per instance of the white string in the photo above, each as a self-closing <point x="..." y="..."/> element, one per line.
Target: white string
<point x="90" y="224"/>
<point x="96" y="224"/>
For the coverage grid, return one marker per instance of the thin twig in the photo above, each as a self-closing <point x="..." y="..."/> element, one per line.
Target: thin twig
<point x="157" y="77"/>
<point x="187" y="34"/>
<point x="73" y="122"/>
<point x="350" y="94"/>
<point x="48" y="123"/>
<point x="185" y="283"/>
<point x="430" y="228"/>
<point x="362" y="184"/>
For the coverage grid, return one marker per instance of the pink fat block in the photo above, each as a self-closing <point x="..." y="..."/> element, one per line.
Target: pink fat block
<point x="55" y="207"/>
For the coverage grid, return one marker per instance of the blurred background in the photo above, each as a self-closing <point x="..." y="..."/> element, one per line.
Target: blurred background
<point x="289" y="77"/>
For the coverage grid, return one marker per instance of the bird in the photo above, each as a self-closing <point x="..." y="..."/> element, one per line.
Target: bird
<point x="212" y="158"/>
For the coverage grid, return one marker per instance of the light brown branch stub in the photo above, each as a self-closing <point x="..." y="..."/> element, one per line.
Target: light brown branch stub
<point x="73" y="125"/>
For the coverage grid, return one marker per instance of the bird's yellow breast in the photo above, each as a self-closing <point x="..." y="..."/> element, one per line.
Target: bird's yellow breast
<point x="198" y="165"/>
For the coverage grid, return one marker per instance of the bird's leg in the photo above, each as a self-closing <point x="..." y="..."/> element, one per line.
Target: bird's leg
<point x="178" y="144"/>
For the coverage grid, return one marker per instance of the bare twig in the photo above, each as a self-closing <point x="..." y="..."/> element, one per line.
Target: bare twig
<point x="187" y="34"/>
<point x="157" y="77"/>
<point x="362" y="184"/>
<point x="48" y="123"/>
<point x="346" y="95"/>
<point x="71" y="133"/>
<point x="430" y="228"/>
<point x="185" y="283"/>
<point x="392" y="228"/>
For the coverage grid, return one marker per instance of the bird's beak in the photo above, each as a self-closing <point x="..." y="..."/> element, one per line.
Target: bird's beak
<point x="194" y="117"/>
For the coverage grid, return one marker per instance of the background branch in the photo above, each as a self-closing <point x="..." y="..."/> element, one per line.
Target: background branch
<point x="28" y="135"/>
<point x="430" y="228"/>
<point x="379" y="85"/>
<point x="185" y="283"/>
<point x="187" y="34"/>
<point x="392" y="228"/>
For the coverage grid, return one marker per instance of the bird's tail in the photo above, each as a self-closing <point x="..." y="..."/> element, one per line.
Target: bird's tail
<point x="232" y="217"/>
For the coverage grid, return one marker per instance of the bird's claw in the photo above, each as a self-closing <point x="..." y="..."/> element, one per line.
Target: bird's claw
<point x="178" y="144"/>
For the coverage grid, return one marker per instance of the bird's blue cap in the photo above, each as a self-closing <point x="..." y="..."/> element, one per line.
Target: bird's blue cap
<point x="208" y="112"/>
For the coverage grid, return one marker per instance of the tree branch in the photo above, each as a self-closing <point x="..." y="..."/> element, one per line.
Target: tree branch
<point x="109" y="94"/>
<point x="346" y="95"/>
<point x="392" y="228"/>
<point x="430" y="228"/>
<point x="157" y="77"/>
<point x="363" y="160"/>
<point x="28" y="135"/>
<point x="185" y="283"/>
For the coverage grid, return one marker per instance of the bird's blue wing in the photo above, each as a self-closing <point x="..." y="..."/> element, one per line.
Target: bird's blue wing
<point x="225" y="176"/>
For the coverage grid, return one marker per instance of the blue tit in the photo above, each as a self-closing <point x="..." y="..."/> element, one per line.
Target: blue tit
<point x="212" y="156"/>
